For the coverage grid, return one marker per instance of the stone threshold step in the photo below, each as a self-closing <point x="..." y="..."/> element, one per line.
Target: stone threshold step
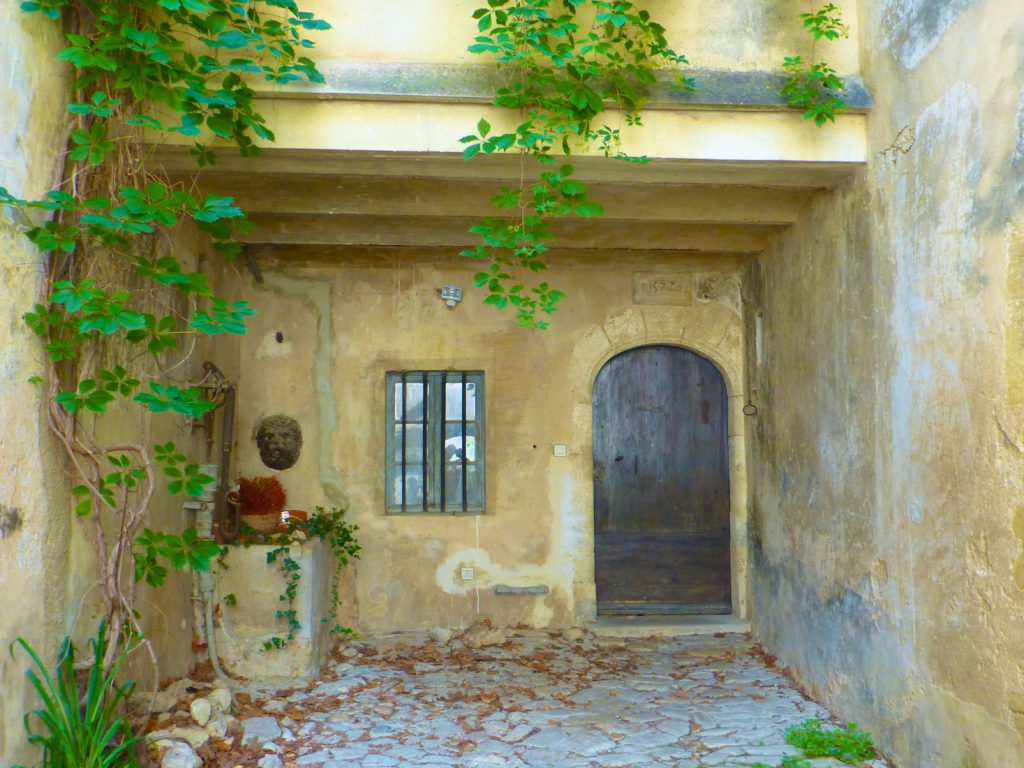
<point x="667" y="626"/>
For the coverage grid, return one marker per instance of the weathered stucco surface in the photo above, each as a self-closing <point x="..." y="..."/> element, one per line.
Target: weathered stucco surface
<point x="886" y="460"/>
<point x="343" y="325"/>
<point x="714" y="34"/>
<point x="34" y="526"/>
<point x="886" y="551"/>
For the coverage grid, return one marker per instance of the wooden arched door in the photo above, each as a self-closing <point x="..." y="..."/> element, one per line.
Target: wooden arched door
<point x="661" y="484"/>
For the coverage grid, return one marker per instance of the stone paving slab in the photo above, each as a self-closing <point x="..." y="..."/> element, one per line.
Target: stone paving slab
<point x="537" y="700"/>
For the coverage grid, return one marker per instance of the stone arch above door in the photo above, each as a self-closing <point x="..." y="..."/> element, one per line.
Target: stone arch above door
<point x="714" y="331"/>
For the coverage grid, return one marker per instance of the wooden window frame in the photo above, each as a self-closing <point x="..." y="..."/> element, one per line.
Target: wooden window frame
<point x="435" y="492"/>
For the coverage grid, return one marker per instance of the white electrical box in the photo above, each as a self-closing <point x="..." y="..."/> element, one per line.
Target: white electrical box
<point x="561" y="451"/>
<point x="468" y="574"/>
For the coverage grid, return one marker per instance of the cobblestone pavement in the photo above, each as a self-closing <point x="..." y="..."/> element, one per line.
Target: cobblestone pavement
<point x="536" y="699"/>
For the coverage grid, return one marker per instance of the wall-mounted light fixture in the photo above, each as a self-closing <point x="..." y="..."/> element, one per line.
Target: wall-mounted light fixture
<point x="451" y="296"/>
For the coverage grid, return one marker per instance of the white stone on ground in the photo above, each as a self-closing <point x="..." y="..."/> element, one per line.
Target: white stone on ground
<point x="180" y="755"/>
<point x="201" y="709"/>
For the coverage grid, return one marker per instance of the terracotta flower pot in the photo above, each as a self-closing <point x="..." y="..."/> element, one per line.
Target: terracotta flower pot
<point x="264" y="523"/>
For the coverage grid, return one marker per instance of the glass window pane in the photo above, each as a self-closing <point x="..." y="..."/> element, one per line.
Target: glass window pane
<point x="453" y="486"/>
<point x="413" y="487"/>
<point x="413" y="401"/>
<point x="453" y="443"/>
<point x="413" y="445"/>
<point x="453" y="403"/>
<point x="476" y="496"/>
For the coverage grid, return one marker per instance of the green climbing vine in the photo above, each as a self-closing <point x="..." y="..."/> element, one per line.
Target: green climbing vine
<point x="564" y="63"/>
<point x="121" y="309"/>
<point x="813" y="85"/>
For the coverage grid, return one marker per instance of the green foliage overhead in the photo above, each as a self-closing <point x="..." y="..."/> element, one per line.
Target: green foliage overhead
<point x="140" y="48"/>
<point x="812" y="85"/>
<point x="565" y="62"/>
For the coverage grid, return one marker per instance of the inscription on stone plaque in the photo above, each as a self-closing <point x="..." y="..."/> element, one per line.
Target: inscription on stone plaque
<point x="674" y="290"/>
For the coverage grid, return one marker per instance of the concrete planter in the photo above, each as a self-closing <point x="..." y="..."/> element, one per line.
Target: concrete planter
<point x="245" y="627"/>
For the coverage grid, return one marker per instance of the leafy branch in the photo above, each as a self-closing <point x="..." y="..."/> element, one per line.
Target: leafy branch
<point x="565" y="63"/>
<point x="813" y="85"/>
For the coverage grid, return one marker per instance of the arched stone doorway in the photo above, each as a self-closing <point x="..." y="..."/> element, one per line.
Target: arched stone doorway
<point x="715" y="332"/>
<point x="661" y="484"/>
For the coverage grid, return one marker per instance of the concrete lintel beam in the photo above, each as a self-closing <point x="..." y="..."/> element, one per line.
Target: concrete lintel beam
<point x="454" y="231"/>
<point x="353" y="195"/>
<point x="393" y="257"/>
<point x="720" y="136"/>
<point x="307" y="163"/>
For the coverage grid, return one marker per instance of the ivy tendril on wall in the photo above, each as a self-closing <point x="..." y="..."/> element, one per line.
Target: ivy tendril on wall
<point x="121" y="312"/>
<point x="328" y="527"/>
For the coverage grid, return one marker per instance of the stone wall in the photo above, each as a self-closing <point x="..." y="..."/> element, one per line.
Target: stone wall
<point x="886" y="459"/>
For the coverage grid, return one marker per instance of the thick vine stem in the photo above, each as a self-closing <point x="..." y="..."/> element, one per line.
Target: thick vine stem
<point x="109" y="297"/>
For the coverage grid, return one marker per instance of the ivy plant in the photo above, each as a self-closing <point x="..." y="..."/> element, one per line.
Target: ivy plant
<point x="122" y="310"/>
<point x="565" y="63"/>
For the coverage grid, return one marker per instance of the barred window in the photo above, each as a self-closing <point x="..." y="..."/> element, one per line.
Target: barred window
<point x="435" y="442"/>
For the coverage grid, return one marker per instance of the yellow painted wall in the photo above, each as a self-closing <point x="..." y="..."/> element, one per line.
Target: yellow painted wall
<point x="714" y="34"/>
<point x="343" y="325"/>
<point x="886" y="462"/>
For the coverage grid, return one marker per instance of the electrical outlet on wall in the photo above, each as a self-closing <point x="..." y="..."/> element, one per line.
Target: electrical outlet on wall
<point x="560" y="451"/>
<point x="468" y="574"/>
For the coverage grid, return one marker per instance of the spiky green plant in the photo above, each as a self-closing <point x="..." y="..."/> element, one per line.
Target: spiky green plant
<point x="80" y="728"/>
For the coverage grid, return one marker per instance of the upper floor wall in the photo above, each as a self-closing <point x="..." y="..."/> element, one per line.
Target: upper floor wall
<point x="752" y="35"/>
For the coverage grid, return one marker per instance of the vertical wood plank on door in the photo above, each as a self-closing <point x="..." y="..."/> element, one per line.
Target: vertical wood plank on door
<point x="661" y="480"/>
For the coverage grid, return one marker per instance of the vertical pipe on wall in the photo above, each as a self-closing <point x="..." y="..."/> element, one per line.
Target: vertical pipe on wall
<point x="465" y="448"/>
<point x="443" y="458"/>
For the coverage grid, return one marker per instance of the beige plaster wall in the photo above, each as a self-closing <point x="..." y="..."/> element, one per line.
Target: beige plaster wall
<point x="344" y="324"/>
<point x="886" y="460"/>
<point x="714" y="34"/>
<point x="32" y="586"/>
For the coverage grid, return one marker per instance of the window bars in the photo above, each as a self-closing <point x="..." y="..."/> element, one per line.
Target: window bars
<point x="435" y="442"/>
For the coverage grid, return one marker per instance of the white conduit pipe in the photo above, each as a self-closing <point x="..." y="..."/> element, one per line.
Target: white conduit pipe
<point x="204" y="530"/>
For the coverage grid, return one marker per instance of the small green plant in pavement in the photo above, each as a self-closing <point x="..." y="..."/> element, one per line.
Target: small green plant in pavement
<point x="849" y="745"/>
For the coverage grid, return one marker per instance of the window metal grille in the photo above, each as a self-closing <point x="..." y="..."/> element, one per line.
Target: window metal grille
<point x="435" y="442"/>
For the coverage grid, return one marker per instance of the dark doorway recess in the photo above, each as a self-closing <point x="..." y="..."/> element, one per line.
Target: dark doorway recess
<point x="661" y="484"/>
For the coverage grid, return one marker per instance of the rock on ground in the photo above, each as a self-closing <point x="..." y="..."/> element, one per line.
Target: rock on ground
<point x="180" y="755"/>
<point x="257" y="730"/>
<point x="201" y="709"/>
